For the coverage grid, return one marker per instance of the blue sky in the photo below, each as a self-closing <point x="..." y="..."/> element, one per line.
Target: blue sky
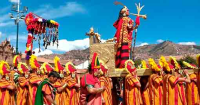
<point x="174" y="20"/>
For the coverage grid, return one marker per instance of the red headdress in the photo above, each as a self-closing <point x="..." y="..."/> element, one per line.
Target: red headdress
<point x="173" y="61"/>
<point x="22" y="68"/>
<point x="34" y="63"/>
<point x="46" y="68"/>
<point x="15" y="60"/>
<point x="58" y="66"/>
<point x="70" y="67"/>
<point x="4" y="68"/>
<point x="130" y="66"/>
<point x="95" y="65"/>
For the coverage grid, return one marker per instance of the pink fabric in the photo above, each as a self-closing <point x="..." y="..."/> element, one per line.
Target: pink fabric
<point x="97" y="99"/>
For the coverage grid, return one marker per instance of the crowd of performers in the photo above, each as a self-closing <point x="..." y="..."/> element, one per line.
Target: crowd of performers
<point x="35" y="84"/>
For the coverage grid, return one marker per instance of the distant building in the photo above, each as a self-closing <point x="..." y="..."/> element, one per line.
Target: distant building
<point x="6" y="51"/>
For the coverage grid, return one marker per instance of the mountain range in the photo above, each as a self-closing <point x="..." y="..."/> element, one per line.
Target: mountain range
<point x="166" y="48"/>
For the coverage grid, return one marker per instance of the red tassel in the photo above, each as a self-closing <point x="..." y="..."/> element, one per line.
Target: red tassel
<point x="137" y="21"/>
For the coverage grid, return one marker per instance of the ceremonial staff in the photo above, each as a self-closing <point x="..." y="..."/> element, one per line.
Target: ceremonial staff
<point x="142" y="16"/>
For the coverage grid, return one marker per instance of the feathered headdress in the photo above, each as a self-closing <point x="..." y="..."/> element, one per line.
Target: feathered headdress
<point x="166" y="66"/>
<point x="95" y="62"/>
<point x="33" y="62"/>
<point x="173" y="61"/>
<point x="198" y="60"/>
<point x="58" y="66"/>
<point x="130" y="66"/>
<point x="15" y="60"/>
<point x="46" y="68"/>
<point x="189" y="66"/>
<point x="70" y="67"/>
<point x="4" y="68"/>
<point x="22" y="68"/>
<point x="104" y="68"/>
<point x="153" y="65"/>
<point x="124" y="9"/>
<point x="144" y="64"/>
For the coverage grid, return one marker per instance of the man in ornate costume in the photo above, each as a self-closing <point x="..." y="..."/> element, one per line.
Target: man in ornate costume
<point x="60" y="85"/>
<point x="192" y="88"/>
<point x="34" y="79"/>
<point x="123" y="36"/>
<point x="171" y="93"/>
<point x="23" y="82"/>
<point x="46" y="92"/>
<point x="73" y="87"/>
<point x="90" y="85"/>
<point x="155" y="84"/>
<point x="7" y="87"/>
<point x="132" y="85"/>
<point x="106" y="82"/>
<point x="181" y="86"/>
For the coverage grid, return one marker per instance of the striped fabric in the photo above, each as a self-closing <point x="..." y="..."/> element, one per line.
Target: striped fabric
<point x="122" y="55"/>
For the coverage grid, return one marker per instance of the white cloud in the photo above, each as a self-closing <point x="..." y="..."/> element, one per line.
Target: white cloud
<point x="0" y="34"/>
<point x="160" y="41"/>
<point x="45" y="52"/>
<point x="142" y="44"/>
<point x="9" y="23"/>
<point x="14" y="1"/>
<point x="20" y="37"/>
<point x="65" y="45"/>
<point x="68" y="9"/>
<point x="187" y="43"/>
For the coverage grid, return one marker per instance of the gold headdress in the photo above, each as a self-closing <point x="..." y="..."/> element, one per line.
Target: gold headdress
<point x="153" y="65"/>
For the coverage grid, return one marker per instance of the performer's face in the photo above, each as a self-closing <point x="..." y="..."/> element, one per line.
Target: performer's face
<point x="52" y="79"/>
<point x="127" y="13"/>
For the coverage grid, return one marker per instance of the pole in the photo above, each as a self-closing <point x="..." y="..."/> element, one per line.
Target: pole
<point x="17" y="21"/>
<point x="134" y="44"/>
<point x="17" y="38"/>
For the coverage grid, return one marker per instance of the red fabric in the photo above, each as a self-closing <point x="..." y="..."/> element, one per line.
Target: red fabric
<point x="16" y="61"/>
<point x="60" y="66"/>
<point x="29" y="42"/>
<point x="93" y="60"/>
<point x="129" y="67"/>
<point x="118" y="25"/>
<point x="24" y="68"/>
<point x="71" y="68"/>
<point x="137" y="21"/>
<point x="5" y="71"/>
<point x="122" y="55"/>
<point x="103" y="69"/>
<point x="36" y="63"/>
<point x="49" y="69"/>
<point x="90" y="80"/>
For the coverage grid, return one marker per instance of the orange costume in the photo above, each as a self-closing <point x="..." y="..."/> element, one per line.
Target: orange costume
<point x="72" y="92"/>
<point x="171" y="94"/>
<point x="132" y="92"/>
<point x="6" y="95"/>
<point x="107" y="83"/>
<point x="34" y="79"/>
<point x="181" y="87"/>
<point x="155" y="84"/>
<point x="60" y="97"/>
<point x="191" y="88"/>
<point x="22" y="90"/>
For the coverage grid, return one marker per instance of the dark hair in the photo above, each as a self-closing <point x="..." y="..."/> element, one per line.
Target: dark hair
<point x="54" y="74"/>
<point x="89" y="68"/>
